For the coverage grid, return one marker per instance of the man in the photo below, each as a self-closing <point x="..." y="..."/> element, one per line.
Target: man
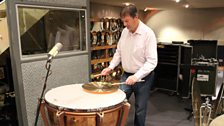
<point x="137" y="52"/>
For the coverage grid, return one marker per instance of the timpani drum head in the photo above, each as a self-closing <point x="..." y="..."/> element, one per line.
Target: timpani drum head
<point x="218" y="121"/>
<point x="74" y="97"/>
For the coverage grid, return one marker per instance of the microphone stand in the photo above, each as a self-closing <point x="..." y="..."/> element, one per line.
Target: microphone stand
<point x="48" y="67"/>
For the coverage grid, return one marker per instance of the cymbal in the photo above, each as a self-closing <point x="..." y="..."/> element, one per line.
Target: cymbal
<point x="102" y="88"/>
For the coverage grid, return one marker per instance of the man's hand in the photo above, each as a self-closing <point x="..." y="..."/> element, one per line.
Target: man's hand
<point x="131" y="80"/>
<point x="106" y="71"/>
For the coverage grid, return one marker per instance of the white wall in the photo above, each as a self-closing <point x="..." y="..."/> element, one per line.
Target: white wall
<point x="182" y="25"/>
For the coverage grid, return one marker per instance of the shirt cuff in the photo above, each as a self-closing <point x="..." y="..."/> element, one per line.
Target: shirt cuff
<point x="138" y="75"/>
<point x="111" y="66"/>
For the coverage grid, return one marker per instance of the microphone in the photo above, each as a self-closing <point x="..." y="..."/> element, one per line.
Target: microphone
<point x="54" y="51"/>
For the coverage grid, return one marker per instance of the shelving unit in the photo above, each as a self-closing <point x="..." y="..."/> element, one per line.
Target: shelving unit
<point x="167" y="70"/>
<point x="103" y="46"/>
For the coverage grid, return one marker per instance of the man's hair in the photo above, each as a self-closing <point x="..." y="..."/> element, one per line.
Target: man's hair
<point x="130" y="10"/>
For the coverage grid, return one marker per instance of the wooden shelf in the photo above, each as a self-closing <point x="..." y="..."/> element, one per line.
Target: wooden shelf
<point x="106" y="50"/>
<point x="103" y="47"/>
<point x="95" y="19"/>
<point x="95" y="61"/>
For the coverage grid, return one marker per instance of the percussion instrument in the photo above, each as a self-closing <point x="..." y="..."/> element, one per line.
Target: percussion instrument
<point x="205" y="113"/>
<point x="100" y="87"/>
<point x="71" y="105"/>
<point x="218" y="121"/>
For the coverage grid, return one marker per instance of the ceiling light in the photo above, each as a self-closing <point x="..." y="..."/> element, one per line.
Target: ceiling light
<point x="186" y="5"/>
<point x="126" y="4"/>
<point x="177" y="1"/>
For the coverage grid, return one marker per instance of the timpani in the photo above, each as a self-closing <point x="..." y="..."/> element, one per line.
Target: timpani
<point x="71" y="105"/>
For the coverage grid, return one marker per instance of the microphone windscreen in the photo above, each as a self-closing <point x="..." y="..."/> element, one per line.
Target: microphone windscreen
<point x="54" y="51"/>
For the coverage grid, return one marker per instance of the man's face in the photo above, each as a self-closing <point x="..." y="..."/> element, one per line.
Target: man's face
<point x="129" y="22"/>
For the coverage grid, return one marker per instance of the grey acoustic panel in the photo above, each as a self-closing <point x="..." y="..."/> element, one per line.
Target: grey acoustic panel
<point x="69" y="70"/>
<point x="64" y="2"/>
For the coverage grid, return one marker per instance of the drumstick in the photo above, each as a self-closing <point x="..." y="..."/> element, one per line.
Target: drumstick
<point x="125" y="82"/>
<point x="118" y="83"/>
<point x="94" y="76"/>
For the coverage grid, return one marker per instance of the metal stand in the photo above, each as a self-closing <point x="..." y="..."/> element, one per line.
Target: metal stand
<point x="48" y="67"/>
<point x="205" y="113"/>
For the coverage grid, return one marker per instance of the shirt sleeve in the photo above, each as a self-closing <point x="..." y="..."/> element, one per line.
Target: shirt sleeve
<point x="150" y="55"/>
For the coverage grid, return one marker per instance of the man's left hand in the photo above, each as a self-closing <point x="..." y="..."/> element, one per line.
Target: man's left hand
<point x="131" y="80"/>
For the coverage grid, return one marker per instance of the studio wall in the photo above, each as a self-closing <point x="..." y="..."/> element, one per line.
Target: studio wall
<point x="175" y="25"/>
<point x="185" y="24"/>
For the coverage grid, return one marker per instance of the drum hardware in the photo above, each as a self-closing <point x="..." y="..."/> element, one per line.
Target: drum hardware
<point x="100" y="116"/>
<point x="205" y="113"/>
<point x="59" y="113"/>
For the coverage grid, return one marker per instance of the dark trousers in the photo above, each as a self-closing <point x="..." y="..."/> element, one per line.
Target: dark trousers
<point x="141" y="91"/>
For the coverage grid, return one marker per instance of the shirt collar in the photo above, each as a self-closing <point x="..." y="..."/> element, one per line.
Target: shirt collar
<point x="138" y="30"/>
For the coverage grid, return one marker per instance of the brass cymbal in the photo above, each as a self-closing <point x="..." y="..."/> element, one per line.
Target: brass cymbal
<point x="100" y="87"/>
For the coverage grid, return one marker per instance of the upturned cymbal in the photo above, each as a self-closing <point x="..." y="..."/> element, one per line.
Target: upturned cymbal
<point x="100" y="87"/>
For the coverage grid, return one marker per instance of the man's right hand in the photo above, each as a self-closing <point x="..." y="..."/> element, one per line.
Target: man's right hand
<point x="106" y="71"/>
